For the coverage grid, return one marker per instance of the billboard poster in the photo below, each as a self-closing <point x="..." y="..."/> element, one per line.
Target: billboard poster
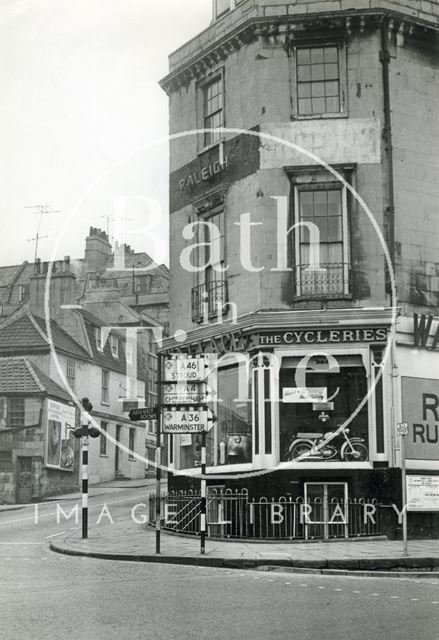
<point x="422" y="493"/>
<point x="420" y="409"/>
<point x="60" y="447"/>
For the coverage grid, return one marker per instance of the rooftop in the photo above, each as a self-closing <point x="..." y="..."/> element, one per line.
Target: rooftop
<point x="19" y="376"/>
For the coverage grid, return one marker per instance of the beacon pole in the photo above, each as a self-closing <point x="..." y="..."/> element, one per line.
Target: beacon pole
<point x="158" y="475"/>
<point x="404" y="495"/>
<point x="84" y="487"/>
<point x="203" y="494"/>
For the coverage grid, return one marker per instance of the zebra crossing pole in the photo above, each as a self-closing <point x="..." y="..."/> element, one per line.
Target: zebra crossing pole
<point x="203" y="494"/>
<point x="84" y="443"/>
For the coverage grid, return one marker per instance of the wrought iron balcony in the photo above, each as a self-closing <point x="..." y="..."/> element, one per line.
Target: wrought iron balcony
<point x="208" y="300"/>
<point x="325" y="281"/>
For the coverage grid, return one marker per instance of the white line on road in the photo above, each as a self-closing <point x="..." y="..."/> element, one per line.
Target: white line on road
<point x="20" y="543"/>
<point x="55" y="534"/>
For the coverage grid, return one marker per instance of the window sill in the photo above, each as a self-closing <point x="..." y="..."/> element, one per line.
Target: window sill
<point x="104" y="403"/>
<point x="210" y="147"/>
<point x="103" y="455"/>
<point x="131" y="459"/>
<point x="319" y="116"/>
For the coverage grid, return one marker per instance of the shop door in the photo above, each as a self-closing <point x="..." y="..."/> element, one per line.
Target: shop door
<point x="327" y="510"/>
<point x="24" y="492"/>
<point x="117" y="451"/>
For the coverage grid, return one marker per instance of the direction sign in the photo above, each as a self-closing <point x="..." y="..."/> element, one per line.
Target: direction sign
<point x="143" y="413"/>
<point x="184" y="393"/>
<point x="184" y="369"/>
<point x="185" y="421"/>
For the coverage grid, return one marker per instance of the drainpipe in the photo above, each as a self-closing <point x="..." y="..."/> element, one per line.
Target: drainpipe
<point x="387" y="131"/>
<point x="387" y="134"/>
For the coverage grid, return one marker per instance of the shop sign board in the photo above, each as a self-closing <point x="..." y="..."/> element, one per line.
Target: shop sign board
<point x="324" y="336"/>
<point x="302" y="395"/>
<point x="422" y="493"/>
<point x="420" y="409"/>
<point x="184" y="393"/>
<point x="184" y="369"/>
<point x="188" y="420"/>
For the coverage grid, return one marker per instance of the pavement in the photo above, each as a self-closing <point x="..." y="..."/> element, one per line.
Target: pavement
<point x="132" y="539"/>
<point x="118" y="533"/>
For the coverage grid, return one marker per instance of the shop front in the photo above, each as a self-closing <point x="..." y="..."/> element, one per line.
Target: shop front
<point x="302" y="416"/>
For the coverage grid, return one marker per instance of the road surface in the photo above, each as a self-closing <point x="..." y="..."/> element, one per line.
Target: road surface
<point x="45" y="596"/>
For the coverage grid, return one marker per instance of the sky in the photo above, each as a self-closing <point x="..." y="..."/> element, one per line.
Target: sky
<point x="80" y="114"/>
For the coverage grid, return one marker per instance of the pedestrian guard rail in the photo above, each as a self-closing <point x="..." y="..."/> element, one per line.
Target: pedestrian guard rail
<point x="233" y="514"/>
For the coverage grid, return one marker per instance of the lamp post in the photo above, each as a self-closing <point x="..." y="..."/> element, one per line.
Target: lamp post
<point x="402" y="429"/>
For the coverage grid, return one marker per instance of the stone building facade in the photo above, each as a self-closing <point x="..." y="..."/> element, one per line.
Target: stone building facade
<point x="338" y="99"/>
<point x="99" y="344"/>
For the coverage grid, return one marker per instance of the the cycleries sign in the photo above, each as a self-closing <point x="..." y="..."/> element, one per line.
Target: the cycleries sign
<point x="323" y="336"/>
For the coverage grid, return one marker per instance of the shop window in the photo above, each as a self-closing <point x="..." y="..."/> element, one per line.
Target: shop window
<point x="71" y="373"/>
<point x="105" y="394"/>
<point x="320" y="80"/>
<point x="209" y="296"/>
<point x="103" y="439"/>
<point x="212" y="98"/>
<point x="305" y="424"/>
<point x="322" y="256"/>
<point x="16" y="412"/>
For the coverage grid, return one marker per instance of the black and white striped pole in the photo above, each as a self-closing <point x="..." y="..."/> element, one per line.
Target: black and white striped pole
<point x="84" y="432"/>
<point x="84" y="486"/>
<point x="203" y="494"/>
<point x="158" y="456"/>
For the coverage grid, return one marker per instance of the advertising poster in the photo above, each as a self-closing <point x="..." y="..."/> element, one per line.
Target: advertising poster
<point x="423" y="493"/>
<point x="420" y="409"/>
<point x="60" y="441"/>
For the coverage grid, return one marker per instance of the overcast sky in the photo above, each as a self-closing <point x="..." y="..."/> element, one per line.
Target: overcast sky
<point x="79" y="94"/>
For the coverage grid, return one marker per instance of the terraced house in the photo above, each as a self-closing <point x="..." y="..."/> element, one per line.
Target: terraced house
<point x="304" y="233"/>
<point x="98" y="344"/>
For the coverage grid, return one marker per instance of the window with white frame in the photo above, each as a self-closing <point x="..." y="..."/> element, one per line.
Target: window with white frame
<point x="320" y="80"/>
<point x="71" y="373"/>
<point x="321" y="241"/>
<point x="212" y="94"/>
<point x="222" y="7"/>
<point x="105" y="392"/>
<point x="129" y="351"/>
<point x="99" y="339"/>
<point x="23" y="292"/>
<point x="114" y="343"/>
<point x="16" y="412"/>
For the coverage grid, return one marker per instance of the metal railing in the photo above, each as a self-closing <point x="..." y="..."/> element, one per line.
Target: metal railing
<point x="232" y="514"/>
<point x="208" y="300"/>
<point x="331" y="280"/>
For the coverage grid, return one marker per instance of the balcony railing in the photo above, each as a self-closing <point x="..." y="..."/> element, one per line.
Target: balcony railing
<point x="325" y="281"/>
<point x="208" y="300"/>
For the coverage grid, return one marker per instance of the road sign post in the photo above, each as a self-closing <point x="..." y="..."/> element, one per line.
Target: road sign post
<point x="402" y="430"/>
<point x="158" y="460"/>
<point x="203" y="494"/>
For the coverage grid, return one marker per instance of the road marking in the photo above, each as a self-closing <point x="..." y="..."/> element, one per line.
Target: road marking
<point x="338" y="589"/>
<point x="395" y="597"/>
<point x="320" y="587"/>
<point x="270" y="580"/>
<point x="303" y="585"/>
<point x="414" y="599"/>
<point x="434" y="602"/>
<point x="356" y="591"/>
<point x="376" y="594"/>
<point x="55" y="534"/>
<point x="288" y="583"/>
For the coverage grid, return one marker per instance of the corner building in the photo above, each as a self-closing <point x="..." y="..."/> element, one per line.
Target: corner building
<point x="349" y="85"/>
